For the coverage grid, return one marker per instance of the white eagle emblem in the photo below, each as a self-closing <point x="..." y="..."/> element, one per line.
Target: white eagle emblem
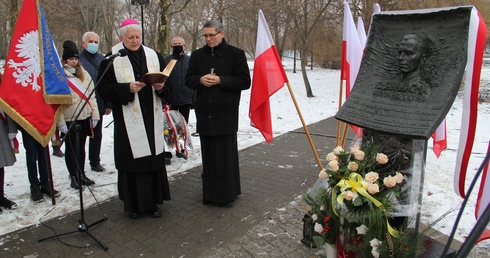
<point x="27" y="71"/>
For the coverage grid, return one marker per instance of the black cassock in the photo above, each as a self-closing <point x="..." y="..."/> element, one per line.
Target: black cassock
<point x="221" y="172"/>
<point x="142" y="182"/>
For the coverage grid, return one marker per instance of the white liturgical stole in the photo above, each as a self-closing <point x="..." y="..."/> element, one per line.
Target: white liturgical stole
<point x="133" y="118"/>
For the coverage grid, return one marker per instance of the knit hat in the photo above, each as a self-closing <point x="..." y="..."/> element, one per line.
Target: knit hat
<point x="69" y="50"/>
<point x="127" y="22"/>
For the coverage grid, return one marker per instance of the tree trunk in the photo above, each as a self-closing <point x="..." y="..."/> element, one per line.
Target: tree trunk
<point x="163" y="29"/>
<point x="294" y="57"/>
<point x="304" y="61"/>
<point x="14" y="12"/>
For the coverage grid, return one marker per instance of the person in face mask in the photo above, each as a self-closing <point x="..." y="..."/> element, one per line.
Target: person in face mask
<point x="177" y="94"/>
<point x="90" y="59"/>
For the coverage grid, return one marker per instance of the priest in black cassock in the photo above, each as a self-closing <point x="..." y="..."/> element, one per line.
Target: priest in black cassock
<point x="138" y="122"/>
<point x="219" y="72"/>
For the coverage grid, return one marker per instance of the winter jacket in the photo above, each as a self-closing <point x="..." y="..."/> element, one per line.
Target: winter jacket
<point x="89" y="111"/>
<point x="176" y="92"/>
<point x="93" y="68"/>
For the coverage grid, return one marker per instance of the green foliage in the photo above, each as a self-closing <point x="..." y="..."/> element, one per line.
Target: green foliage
<point x="358" y="201"/>
<point x="323" y="211"/>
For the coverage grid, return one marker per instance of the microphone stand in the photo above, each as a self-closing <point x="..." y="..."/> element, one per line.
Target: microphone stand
<point x="82" y="225"/>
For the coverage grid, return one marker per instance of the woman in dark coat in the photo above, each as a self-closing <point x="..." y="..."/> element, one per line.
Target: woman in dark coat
<point x="138" y="123"/>
<point x="219" y="72"/>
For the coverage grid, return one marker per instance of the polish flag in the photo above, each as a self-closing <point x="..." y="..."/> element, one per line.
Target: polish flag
<point x="483" y="198"/>
<point x="476" y="46"/>
<point x="361" y="32"/>
<point x="351" y="54"/>
<point x="351" y="51"/>
<point x="268" y="77"/>
<point x="439" y="139"/>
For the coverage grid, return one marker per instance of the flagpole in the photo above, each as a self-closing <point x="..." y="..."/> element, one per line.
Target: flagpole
<point x="305" y="127"/>
<point x="344" y="135"/>
<point x="337" y="137"/>
<point x="50" y="175"/>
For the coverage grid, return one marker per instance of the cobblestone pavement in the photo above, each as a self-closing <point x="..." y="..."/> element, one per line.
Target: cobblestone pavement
<point x="265" y="221"/>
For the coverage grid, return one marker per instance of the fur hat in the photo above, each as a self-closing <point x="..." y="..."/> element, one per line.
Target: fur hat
<point x="69" y="50"/>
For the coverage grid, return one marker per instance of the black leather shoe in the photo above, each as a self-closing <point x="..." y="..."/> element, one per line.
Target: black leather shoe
<point x="86" y="180"/>
<point x="46" y="189"/>
<point x="36" y="194"/>
<point x="7" y="204"/>
<point x="155" y="213"/>
<point x="181" y="155"/>
<point x="223" y="205"/>
<point x="134" y="215"/>
<point x="74" y="182"/>
<point x="98" y="168"/>
<point x="57" y="152"/>
<point x="218" y="204"/>
<point x="168" y="161"/>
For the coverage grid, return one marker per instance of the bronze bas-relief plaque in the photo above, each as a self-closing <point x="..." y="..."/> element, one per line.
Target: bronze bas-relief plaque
<point x="410" y="73"/>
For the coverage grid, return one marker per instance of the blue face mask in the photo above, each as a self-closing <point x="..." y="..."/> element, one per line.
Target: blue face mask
<point x="92" y="48"/>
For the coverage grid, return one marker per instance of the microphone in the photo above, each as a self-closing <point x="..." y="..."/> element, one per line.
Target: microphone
<point x="121" y="52"/>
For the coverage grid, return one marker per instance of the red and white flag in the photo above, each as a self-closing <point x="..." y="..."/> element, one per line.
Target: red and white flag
<point x="439" y="139"/>
<point x="483" y="198"/>
<point x="268" y="77"/>
<point x="361" y="32"/>
<point x="352" y="51"/>
<point x="476" y="46"/>
<point x="34" y="85"/>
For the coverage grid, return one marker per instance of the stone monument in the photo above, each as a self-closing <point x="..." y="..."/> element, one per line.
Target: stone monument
<point x="411" y="72"/>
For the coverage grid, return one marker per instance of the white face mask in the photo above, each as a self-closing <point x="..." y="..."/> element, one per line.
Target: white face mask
<point x="92" y="48"/>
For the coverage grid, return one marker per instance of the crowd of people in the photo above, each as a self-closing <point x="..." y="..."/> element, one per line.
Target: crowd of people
<point x="209" y="81"/>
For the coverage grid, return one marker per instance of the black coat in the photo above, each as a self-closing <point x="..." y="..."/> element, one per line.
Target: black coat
<point x="217" y="107"/>
<point x="176" y="93"/>
<point x="118" y="94"/>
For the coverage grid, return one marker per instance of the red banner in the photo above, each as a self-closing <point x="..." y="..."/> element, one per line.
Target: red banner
<point x="34" y="84"/>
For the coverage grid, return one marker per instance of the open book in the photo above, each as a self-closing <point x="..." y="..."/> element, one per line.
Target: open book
<point x="159" y="77"/>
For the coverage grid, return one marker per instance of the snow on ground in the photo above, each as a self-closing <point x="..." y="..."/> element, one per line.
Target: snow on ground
<point x="438" y="197"/>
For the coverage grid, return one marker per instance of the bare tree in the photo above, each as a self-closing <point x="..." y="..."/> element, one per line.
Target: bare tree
<point x="300" y="23"/>
<point x="166" y="15"/>
<point x="304" y="16"/>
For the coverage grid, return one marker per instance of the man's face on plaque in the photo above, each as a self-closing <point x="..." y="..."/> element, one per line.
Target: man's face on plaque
<point x="409" y="54"/>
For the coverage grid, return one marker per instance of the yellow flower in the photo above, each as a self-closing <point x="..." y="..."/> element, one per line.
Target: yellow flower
<point x="348" y="195"/>
<point x="381" y="158"/>
<point x="331" y="156"/>
<point x="389" y="181"/>
<point x="338" y="150"/>
<point x="352" y="166"/>
<point x="355" y="148"/>
<point x="334" y="165"/>
<point x="373" y="188"/>
<point x="399" y="177"/>
<point x="371" y="177"/>
<point x="359" y="155"/>
<point x="323" y="174"/>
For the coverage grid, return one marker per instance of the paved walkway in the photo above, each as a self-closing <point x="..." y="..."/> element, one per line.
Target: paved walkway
<point x="265" y="221"/>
